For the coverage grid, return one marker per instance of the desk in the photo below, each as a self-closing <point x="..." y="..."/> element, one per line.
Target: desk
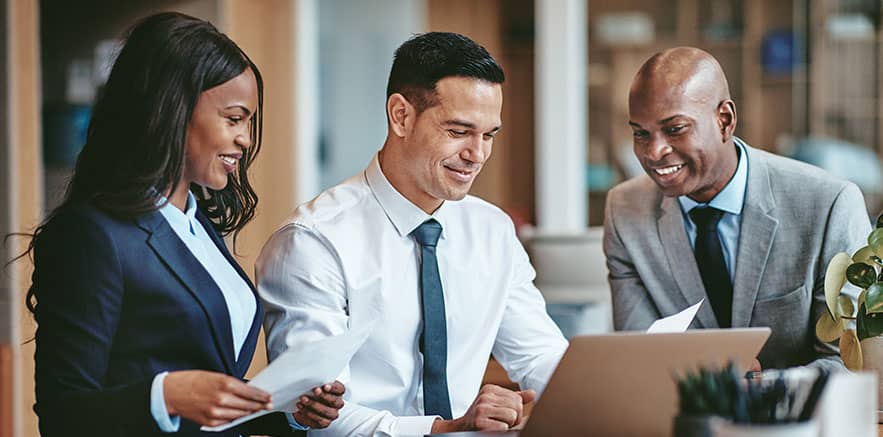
<point x="479" y="434"/>
<point x="515" y="433"/>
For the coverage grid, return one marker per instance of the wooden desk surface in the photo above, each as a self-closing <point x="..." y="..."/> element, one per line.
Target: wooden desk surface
<point x="515" y="433"/>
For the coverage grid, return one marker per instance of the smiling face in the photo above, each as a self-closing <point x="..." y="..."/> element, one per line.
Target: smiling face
<point x="219" y="130"/>
<point x="682" y="134"/>
<point x="444" y="147"/>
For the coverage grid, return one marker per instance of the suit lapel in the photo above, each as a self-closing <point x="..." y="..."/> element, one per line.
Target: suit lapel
<point x="247" y="351"/>
<point x="679" y="255"/>
<point x="756" y="235"/>
<point x="178" y="258"/>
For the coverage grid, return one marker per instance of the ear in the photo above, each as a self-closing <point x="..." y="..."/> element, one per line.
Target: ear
<point x="400" y="113"/>
<point x="726" y="119"/>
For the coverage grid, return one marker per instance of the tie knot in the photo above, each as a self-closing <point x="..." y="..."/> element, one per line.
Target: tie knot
<point x="427" y="233"/>
<point x="706" y="216"/>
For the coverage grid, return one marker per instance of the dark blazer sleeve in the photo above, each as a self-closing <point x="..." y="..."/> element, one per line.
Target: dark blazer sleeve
<point x="80" y="292"/>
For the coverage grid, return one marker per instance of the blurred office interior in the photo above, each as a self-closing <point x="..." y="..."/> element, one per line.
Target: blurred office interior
<point x="805" y="76"/>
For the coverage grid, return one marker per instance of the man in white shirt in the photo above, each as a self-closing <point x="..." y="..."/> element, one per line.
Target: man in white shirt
<point x="440" y="275"/>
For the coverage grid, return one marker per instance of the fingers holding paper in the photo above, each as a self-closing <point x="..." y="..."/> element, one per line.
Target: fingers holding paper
<point x="211" y="398"/>
<point x="320" y="408"/>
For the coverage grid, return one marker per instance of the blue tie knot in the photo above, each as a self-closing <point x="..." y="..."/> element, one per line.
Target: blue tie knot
<point x="427" y="234"/>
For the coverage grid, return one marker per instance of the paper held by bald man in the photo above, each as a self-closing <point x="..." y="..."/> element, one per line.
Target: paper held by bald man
<point x="299" y="369"/>
<point x="675" y="323"/>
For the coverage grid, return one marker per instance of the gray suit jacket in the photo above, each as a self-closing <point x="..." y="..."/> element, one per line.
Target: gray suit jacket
<point x="794" y="219"/>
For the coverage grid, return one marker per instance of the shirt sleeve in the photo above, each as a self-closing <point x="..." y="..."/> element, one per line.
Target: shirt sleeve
<point x="301" y="284"/>
<point x="158" y="409"/>
<point x="292" y="422"/>
<point x="528" y="344"/>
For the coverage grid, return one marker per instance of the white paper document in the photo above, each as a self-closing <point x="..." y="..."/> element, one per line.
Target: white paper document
<point x="675" y="323"/>
<point x="299" y="369"/>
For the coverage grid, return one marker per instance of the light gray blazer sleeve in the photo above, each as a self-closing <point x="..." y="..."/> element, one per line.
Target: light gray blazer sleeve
<point x="633" y="309"/>
<point x="846" y="231"/>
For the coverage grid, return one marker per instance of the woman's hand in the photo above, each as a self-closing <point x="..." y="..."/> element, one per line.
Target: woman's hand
<point x="211" y="398"/>
<point x="322" y="407"/>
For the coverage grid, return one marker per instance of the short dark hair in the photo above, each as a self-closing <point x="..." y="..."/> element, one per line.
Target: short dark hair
<point x="427" y="58"/>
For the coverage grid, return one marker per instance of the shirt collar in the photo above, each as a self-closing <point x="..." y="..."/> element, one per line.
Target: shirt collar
<point x="404" y="215"/>
<point x="181" y="220"/>
<point x="732" y="197"/>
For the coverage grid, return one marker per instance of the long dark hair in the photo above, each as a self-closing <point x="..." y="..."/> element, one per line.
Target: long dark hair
<point x="134" y="151"/>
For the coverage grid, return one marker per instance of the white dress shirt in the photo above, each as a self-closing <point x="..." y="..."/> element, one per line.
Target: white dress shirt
<point x="346" y="259"/>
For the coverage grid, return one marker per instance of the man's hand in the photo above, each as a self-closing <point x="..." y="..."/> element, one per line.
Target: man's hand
<point x="755" y="366"/>
<point x="322" y="407"/>
<point x="211" y="398"/>
<point x="495" y="409"/>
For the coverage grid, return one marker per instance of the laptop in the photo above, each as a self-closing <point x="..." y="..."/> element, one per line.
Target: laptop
<point x="623" y="384"/>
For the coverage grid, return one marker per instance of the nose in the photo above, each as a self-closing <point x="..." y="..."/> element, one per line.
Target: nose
<point x="243" y="139"/>
<point x="656" y="148"/>
<point x="478" y="150"/>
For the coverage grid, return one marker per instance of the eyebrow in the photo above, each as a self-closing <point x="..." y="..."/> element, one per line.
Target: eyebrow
<point x="243" y="108"/>
<point x="469" y="125"/>
<point x="663" y="121"/>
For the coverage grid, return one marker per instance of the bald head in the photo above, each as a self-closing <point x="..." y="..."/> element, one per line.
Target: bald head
<point x="683" y="121"/>
<point x="685" y="70"/>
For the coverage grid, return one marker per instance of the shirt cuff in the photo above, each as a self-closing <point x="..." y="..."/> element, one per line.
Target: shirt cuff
<point x="158" y="409"/>
<point x="414" y="425"/>
<point x="293" y="423"/>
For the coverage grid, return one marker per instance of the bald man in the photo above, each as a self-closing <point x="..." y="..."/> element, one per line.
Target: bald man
<point x="713" y="218"/>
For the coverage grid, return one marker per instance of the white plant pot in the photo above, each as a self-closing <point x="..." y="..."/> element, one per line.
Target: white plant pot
<point x="872" y="360"/>
<point x="802" y="429"/>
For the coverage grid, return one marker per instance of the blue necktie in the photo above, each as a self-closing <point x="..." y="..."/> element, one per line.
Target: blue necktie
<point x="712" y="266"/>
<point x="434" y="338"/>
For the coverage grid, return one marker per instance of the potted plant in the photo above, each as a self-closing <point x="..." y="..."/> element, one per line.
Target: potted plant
<point x="724" y="403"/>
<point x="861" y="347"/>
<point x="704" y="397"/>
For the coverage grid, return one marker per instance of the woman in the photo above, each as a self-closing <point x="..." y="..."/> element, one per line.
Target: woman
<point x="145" y="321"/>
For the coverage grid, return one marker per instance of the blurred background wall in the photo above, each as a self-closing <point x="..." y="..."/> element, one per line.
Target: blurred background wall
<point x="805" y="75"/>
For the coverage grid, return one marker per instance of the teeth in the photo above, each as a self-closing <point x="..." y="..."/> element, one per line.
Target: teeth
<point x="228" y="160"/>
<point x="462" y="172"/>
<point x="668" y="170"/>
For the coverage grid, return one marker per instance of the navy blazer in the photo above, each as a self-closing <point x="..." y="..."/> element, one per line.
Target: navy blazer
<point x="120" y="301"/>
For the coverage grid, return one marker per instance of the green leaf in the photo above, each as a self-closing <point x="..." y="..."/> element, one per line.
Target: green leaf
<point x="874" y="298"/>
<point x="861" y="275"/>
<point x="879" y="221"/>
<point x="869" y="325"/>
<point x="875" y="242"/>
<point x="861" y="301"/>
<point x="835" y="277"/>
<point x="851" y="351"/>
<point x="864" y="255"/>
<point x="828" y="329"/>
